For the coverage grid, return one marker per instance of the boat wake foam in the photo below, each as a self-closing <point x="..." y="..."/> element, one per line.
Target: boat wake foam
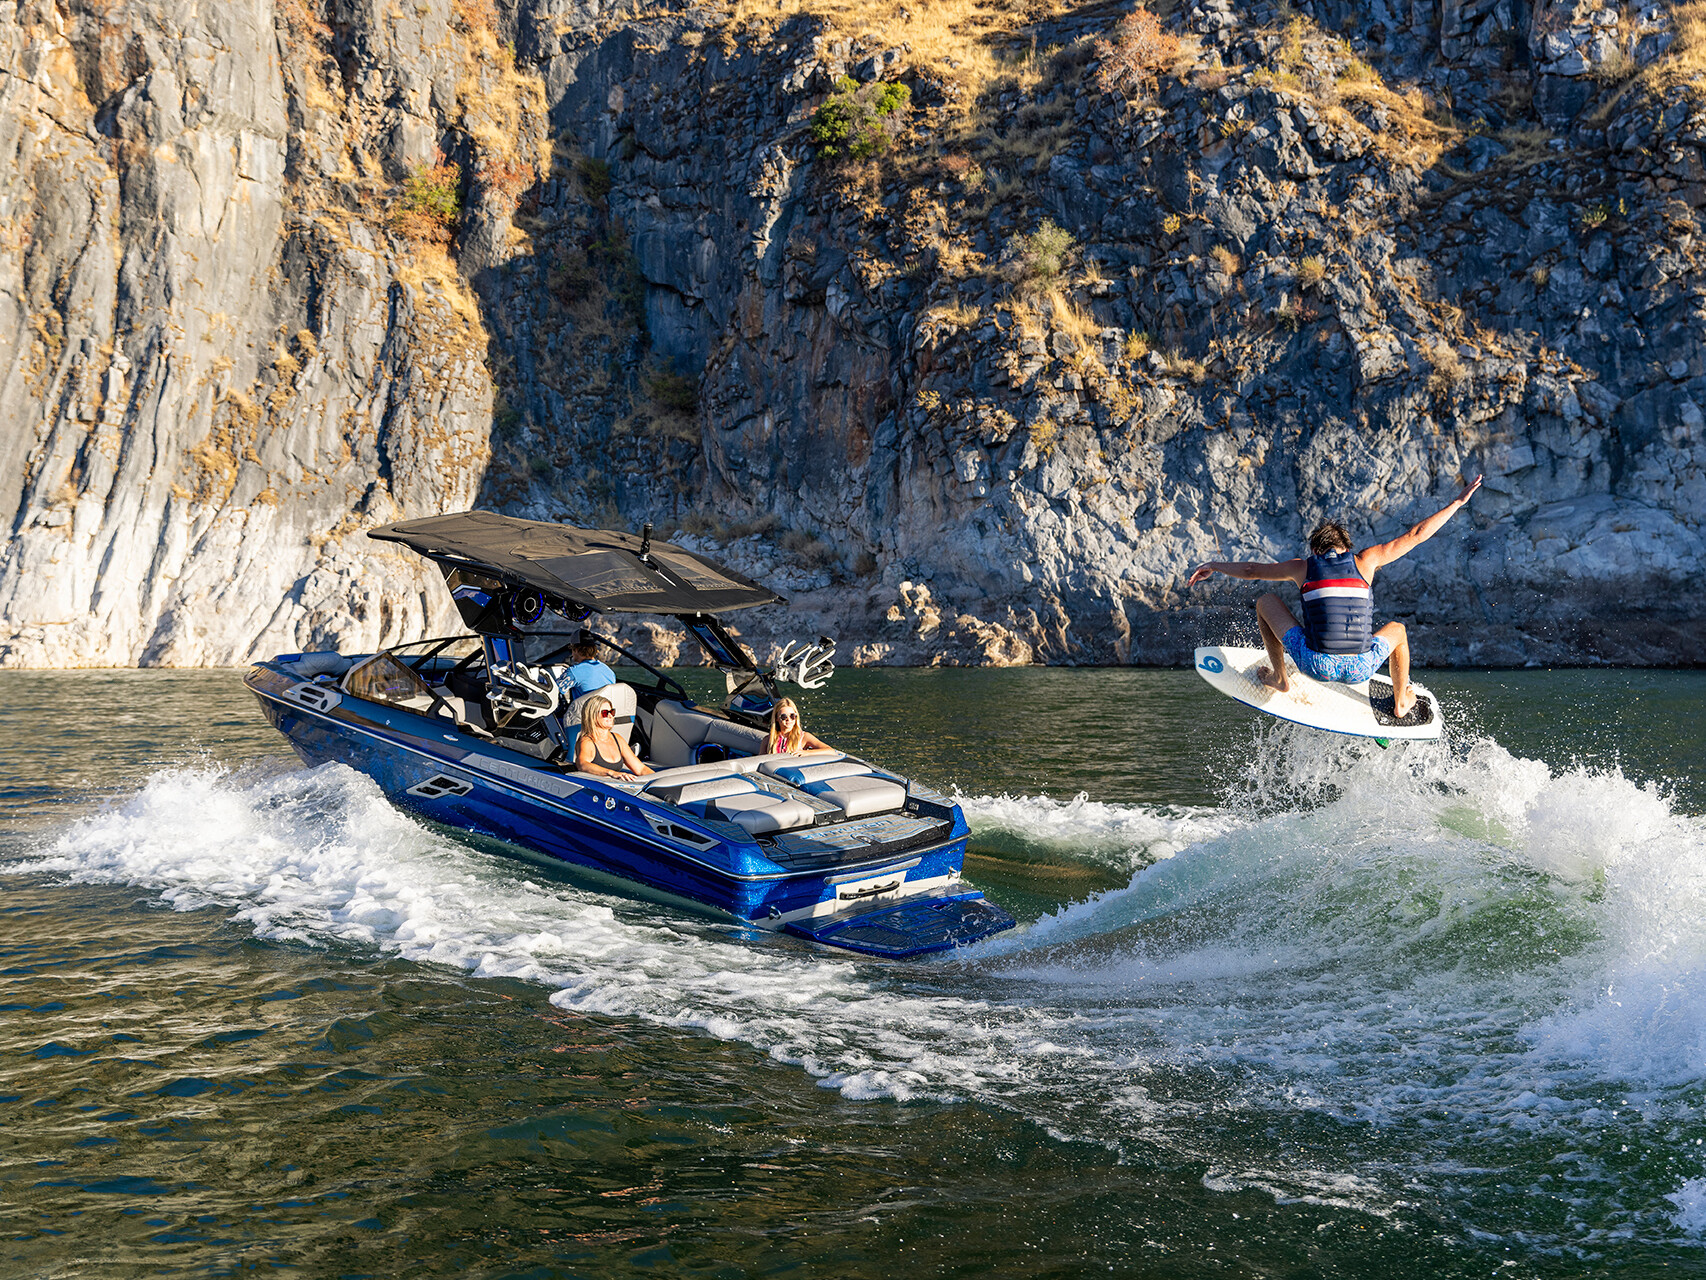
<point x="1125" y="837"/>
<point x="1371" y="979"/>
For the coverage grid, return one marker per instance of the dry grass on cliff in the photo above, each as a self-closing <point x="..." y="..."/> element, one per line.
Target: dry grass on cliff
<point x="309" y="40"/>
<point x="1076" y="322"/>
<point x="969" y="41"/>
<point x="1319" y="66"/>
<point x="503" y="111"/>
<point x="1179" y="365"/>
<point x="1448" y="370"/>
<point x="216" y="458"/>
<point x="958" y="314"/>
<point x="434" y="281"/>
<point x="1684" y="63"/>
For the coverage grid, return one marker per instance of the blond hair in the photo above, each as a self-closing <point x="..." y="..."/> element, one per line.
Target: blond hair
<point x="778" y="741"/>
<point x="589" y="712"/>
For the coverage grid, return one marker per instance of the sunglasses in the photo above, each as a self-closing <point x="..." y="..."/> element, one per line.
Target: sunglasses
<point x="787" y="718"/>
<point x="607" y="712"/>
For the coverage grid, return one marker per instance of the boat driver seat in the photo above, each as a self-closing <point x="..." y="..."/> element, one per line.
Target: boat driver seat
<point x="465" y="684"/>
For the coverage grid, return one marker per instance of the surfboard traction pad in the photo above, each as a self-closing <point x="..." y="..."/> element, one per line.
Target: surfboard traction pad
<point x="1383" y="703"/>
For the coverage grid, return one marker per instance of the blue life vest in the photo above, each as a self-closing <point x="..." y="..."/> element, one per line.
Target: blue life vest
<point x="1338" y="605"/>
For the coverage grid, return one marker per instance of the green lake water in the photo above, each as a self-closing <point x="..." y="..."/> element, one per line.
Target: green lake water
<point x="1281" y="1005"/>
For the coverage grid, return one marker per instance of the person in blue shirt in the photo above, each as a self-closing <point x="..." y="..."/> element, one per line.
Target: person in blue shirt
<point x="586" y="673"/>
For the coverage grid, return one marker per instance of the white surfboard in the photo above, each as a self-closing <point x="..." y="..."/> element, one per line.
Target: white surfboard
<point x="1363" y="710"/>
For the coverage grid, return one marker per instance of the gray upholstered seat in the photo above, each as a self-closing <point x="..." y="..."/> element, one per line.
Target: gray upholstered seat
<point x="848" y="784"/>
<point x="677" y="731"/>
<point x="859" y="795"/>
<point x="696" y="789"/>
<point x="308" y="665"/>
<point x="798" y="773"/>
<point x="759" y="812"/>
<point x="718" y="791"/>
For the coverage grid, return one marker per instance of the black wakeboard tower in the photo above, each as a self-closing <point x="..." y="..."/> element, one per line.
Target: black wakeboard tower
<point x="505" y="574"/>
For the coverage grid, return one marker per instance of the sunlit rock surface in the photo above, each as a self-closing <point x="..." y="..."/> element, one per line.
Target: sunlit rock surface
<point x="1331" y="261"/>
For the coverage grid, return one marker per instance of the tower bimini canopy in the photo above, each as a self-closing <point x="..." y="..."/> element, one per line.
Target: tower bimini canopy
<point x="588" y="568"/>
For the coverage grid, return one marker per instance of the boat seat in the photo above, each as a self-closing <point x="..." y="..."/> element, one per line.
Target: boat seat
<point x="734" y="797"/>
<point x="667" y="778"/>
<point x="704" y="789"/>
<point x="800" y="774"/>
<point x="723" y="768"/>
<point x="678" y="731"/>
<point x="308" y="665"/>
<point x="860" y="794"/>
<point x="466" y="684"/>
<point x="759" y="812"/>
<point x="735" y="739"/>
<point x="847" y="784"/>
<point x="465" y="711"/>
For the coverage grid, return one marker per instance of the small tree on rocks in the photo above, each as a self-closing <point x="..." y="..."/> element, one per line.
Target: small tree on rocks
<point x="857" y="119"/>
<point x="1137" y="52"/>
<point x="432" y="202"/>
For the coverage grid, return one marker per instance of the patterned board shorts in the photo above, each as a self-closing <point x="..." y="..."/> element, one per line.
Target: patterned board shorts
<point x="1337" y="668"/>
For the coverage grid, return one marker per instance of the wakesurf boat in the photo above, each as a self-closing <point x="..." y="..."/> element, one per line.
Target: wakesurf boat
<point x="474" y="732"/>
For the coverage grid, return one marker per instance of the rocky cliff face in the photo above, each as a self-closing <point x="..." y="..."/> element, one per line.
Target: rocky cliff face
<point x="1100" y="310"/>
<point x="218" y="368"/>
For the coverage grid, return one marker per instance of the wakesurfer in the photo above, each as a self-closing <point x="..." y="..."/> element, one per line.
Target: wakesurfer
<point x="1336" y="641"/>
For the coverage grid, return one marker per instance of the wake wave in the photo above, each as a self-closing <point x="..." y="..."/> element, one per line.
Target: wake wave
<point x="1418" y="968"/>
<point x="1126" y="837"/>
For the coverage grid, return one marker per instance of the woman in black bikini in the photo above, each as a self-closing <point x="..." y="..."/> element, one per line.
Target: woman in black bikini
<point x="599" y="750"/>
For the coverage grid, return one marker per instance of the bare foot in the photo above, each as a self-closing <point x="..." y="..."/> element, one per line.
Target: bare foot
<point x="1282" y="682"/>
<point x="1403" y="703"/>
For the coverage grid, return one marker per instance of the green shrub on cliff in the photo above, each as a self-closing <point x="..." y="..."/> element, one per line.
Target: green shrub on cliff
<point x="431" y="203"/>
<point x="595" y="177"/>
<point x="857" y="119"/>
<point x="1042" y="254"/>
<point x="675" y="393"/>
<point x="432" y="189"/>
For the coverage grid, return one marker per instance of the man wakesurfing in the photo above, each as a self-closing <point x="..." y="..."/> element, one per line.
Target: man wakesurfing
<point x="1337" y="641"/>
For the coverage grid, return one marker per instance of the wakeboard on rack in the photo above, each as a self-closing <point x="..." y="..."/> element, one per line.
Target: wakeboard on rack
<point x="1360" y="710"/>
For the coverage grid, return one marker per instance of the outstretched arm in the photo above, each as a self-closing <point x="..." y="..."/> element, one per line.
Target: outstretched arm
<point x="1378" y="557"/>
<point x="1284" y="571"/>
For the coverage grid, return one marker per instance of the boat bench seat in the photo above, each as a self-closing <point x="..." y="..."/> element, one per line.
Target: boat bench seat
<point x="678" y="733"/>
<point x="707" y="789"/>
<point x="734" y="797"/>
<point x="850" y="786"/>
<point x="800" y="775"/>
<point x="671" y="777"/>
<point x="725" y="789"/>
<point x="760" y="813"/>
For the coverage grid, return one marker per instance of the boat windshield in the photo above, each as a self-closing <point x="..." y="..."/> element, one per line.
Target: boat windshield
<point x="382" y="678"/>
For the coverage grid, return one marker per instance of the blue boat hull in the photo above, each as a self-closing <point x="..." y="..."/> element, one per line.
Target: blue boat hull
<point x="581" y="821"/>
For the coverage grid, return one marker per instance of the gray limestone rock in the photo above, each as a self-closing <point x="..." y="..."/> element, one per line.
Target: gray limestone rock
<point x="237" y="335"/>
